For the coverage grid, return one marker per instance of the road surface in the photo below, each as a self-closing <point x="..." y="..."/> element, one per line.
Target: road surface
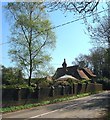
<point x="94" y="106"/>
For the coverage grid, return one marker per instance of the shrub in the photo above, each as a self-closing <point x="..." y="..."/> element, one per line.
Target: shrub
<point x="62" y="83"/>
<point x="71" y="81"/>
<point x="105" y="82"/>
<point x="85" y="81"/>
<point x="31" y="88"/>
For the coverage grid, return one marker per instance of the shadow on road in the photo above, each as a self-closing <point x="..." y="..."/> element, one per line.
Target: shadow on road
<point x="98" y="102"/>
<point x="95" y="102"/>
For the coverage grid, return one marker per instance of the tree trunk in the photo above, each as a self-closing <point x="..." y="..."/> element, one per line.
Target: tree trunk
<point x="30" y="75"/>
<point x="30" y="50"/>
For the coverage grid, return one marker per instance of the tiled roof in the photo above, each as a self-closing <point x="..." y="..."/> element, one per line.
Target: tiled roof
<point x="82" y="74"/>
<point x="71" y="70"/>
<point x="59" y="72"/>
<point x="89" y="72"/>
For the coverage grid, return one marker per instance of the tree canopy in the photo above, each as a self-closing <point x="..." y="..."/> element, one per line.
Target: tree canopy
<point x="11" y="75"/>
<point x="31" y="36"/>
<point x="97" y="60"/>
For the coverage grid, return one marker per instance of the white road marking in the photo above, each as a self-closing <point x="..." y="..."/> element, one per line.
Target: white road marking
<point x="0" y="117"/>
<point x="44" y="114"/>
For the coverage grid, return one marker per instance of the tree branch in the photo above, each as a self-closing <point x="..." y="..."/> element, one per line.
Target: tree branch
<point x="39" y="49"/>
<point x="24" y="34"/>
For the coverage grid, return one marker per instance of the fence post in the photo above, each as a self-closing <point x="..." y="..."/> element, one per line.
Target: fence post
<point x="19" y="94"/>
<point x="71" y="89"/>
<point x="38" y="92"/>
<point x="52" y="91"/>
<point x="86" y="87"/>
<point x="16" y="95"/>
<point x="63" y="90"/>
<point x="79" y="87"/>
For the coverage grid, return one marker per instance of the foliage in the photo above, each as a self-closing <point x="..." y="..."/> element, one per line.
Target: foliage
<point x="11" y="76"/>
<point x="41" y="82"/>
<point x="105" y="82"/>
<point x="45" y="70"/>
<point x="81" y="60"/>
<point x="18" y="86"/>
<point x="97" y="61"/>
<point x="31" y="36"/>
<point x="62" y="83"/>
<point x="99" y="32"/>
<point x="85" y="81"/>
<point x="100" y="36"/>
<point x="71" y="81"/>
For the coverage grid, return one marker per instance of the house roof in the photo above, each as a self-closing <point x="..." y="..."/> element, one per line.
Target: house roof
<point x="71" y="70"/>
<point x="89" y="72"/>
<point x="74" y="71"/>
<point x="66" y="77"/>
<point x="82" y="74"/>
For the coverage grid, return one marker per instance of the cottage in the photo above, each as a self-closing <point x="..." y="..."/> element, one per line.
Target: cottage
<point x="74" y="71"/>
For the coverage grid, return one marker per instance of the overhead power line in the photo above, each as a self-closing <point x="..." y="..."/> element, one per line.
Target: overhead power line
<point x="5" y="43"/>
<point x="61" y="25"/>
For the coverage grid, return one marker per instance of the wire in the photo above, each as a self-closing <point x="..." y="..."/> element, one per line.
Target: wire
<point x="77" y="19"/>
<point x="5" y="43"/>
<point x="64" y="23"/>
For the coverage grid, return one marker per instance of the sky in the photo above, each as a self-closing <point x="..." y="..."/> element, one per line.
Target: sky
<point x="71" y="39"/>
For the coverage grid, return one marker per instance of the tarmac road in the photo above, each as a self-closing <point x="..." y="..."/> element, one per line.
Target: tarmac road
<point x="94" y="106"/>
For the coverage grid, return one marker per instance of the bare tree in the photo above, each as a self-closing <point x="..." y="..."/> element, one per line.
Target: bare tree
<point x="74" y="6"/>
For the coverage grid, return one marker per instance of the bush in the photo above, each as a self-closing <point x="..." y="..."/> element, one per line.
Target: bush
<point x="62" y="83"/>
<point x="105" y="82"/>
<point x="31" y="88"/>
<point x="42" y="82"/>
<point x="71" y="81"/>
<point x="85" y="81"/>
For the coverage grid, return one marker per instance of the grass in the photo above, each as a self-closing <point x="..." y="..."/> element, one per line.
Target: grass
<point x="46" y="102"/>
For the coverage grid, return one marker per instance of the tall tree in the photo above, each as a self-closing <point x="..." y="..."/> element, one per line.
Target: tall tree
<point x="31" y="37"/>
<point x="100" y="34"/>
<point x="82" y="60"/>
<point x="97" y="60"/>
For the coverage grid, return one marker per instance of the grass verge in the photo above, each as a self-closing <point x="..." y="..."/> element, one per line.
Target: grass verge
<point x="46" y="102"/>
